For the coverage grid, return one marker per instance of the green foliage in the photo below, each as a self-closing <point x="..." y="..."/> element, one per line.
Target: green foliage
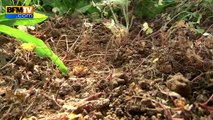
<point x="27" y="2"/>
<point x="151" y="8"/>
<point x="142" y="8"/>
<point x="4" y="3"/>
<point x="113" y="8"/>
<point x="194" y="11"/>
<point x="70" y="6"/>
<point x="41" y="49"/>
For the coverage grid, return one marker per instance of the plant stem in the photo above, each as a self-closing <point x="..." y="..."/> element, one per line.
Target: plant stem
<point x="114" y="16"/>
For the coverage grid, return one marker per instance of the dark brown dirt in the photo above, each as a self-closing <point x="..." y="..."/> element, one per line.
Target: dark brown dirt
<point x="165" y="75"/>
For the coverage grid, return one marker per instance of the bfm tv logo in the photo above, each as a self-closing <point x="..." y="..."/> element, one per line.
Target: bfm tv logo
<point x="19" y="11"/>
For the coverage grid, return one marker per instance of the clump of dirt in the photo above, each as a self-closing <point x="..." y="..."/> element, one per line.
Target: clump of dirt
<point x="179" y="84"/>
<point x="139" y="79"/>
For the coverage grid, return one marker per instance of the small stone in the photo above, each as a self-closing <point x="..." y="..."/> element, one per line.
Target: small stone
<point x="159" y="115"/>
<point x="114" y="84"/>
<point x="65" y="89"/>
<point x="77" y="87"/>
<point x="144" y="85"/>
<point x="86" y="117"/>
<point x="99" y="115"/>
<point x="119" y="111"/>
<point x="103" y="84"/>
<point x="201" y="98"/>
<point x="30" y="66"/>
<point x="153" y="118"/>
<point x="134" y="109"/>
<point x="18" y="75"/>
<point x="121" y="81"/>
<point x="166" y="68"/>
<point x="178" y="83"/>
<point x="20" y="61"/>
<point x="123" y="76"/>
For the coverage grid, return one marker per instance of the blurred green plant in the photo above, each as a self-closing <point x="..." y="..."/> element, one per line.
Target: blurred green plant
<point x="140" y="8"/>
<point x="67" y="6"/>
<point x="40" y="47"/>
<point x="193" y="12"/>
<point x="112" y="7"/>
<point x="151" y="8"/>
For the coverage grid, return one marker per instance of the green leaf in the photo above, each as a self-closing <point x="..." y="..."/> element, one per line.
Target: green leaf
<point x="27" y="2"/>
<point x="1" y="7"/>
<point x="120" y="2"/>
<point x="41" y="49"/>
<point x="38" y="18"/>
<point x="151" y="8"/>
<point x="6" y="2"/>
<point x="84" y="9"/>
<point x="200" y="31"/>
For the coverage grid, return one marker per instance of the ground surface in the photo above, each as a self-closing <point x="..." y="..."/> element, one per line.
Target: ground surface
<point x="165" y="75"/>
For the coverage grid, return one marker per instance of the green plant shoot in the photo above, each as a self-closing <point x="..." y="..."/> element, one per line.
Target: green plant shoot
<point x="41" y="49"/>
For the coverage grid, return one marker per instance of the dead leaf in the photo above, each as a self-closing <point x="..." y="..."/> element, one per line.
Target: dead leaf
<point x="119" y="31"/>
<point x="155" y="60"/>
<point x="70" y="106"/>
<point x="21" y="94"/>
<point x="73" y="116"/>
<point x="10" y="95"/>
<point x="181" y="24"/>
<point x="63" y="117"/>
<point x="169" y="93"/>
<point x="80" y="70"/>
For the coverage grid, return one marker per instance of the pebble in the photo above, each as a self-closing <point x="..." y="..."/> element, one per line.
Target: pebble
<point x="119" y="111"/>
<point x="179" y="84"/>
<point x="144" y="85"/>
<point x="76" y="87"/>
<point x="201" y="98"/>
